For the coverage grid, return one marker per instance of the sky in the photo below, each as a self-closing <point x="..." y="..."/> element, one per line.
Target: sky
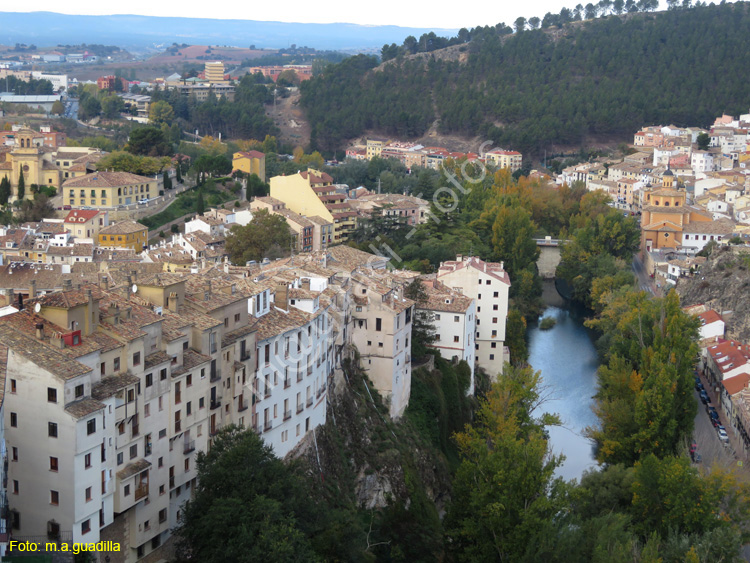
<point x="403" y="13"/>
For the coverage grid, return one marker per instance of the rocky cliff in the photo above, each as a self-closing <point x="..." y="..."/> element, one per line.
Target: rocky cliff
<point x="723" y="284"/>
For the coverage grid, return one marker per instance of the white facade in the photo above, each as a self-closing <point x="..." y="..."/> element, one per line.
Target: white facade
<point x="455" y="331"/>
<point x="488" y="284"/>
<point x="701" y="161"/>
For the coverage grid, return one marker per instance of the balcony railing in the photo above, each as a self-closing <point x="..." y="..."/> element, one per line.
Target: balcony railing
<point x="287" y="415"/>
<point x="171" y="481"/>
<point x="267" y="425"/>
<point x="215" y="376"/>
<point x="267" y="391"/>
<point x="242" y="406"/>
<point x="215" y="404"/>
<point x="309" y="370"/>
<point x="189" y="446"/>
<point x="244" y="357"/>
<point x="141" y="491"/>
<point x="309" y="401"/>
<point x="321" y="390"/>
<point x="300" y="408"/>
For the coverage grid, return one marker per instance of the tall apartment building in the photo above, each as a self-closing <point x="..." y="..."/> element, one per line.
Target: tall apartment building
<point x="113" y="391"/>
<point x="504" y="159"/>
<point x="454" y="318"/>
<point x="488" y="284"/>
<point x="214" y="72"/>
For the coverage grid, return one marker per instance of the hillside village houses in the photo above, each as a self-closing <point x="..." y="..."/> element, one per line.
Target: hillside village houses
<point x="153" y="353"/>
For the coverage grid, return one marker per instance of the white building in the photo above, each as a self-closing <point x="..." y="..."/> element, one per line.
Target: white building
<point x="454" y="318"/>
<point x="712" y="325"/>
<point x="59" y="81"/>
<point x="698" y="234"/>
<point x="702" y="161"/>
<point x="488" y="284"/>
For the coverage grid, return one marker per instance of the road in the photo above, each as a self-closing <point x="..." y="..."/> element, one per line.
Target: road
<point x="644" y="280"/>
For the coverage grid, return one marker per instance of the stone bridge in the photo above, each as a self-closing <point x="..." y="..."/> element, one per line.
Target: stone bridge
<point x="549" y="257"/>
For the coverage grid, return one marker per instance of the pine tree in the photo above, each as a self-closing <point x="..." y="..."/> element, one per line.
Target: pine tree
<point x="4" y="190"/>
<point x="21" y="186"/>
<point x="200" y="205"/>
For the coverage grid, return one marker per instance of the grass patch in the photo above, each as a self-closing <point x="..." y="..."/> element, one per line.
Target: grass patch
<point x="547" y="323"/>
<point x="186" y="203"/>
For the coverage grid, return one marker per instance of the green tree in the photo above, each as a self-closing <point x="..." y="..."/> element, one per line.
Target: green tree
<point x="512" y="237"/>
<point x="200" y="205"/>
<point x="247" y="494"/>
<point x="4" y="190"/>
<point x="166" y="180"/>
<point x="21" y="188"/>
<point x="149" y="141"/>
<point x="704" y="141"/>
<point x="265" y="236"/>
<point x="112" y="106"/>
<point x="58" y="108"/>
<point x="515" y="337"/>
<point x="423" y="332"/>
<point x="160" y="112"/>
<point x="178" y="173"/>
<point x="504" y="490"/>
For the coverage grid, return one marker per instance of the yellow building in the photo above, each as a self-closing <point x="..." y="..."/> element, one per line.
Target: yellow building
<point x="214" y="72"/>
<point x="125" y="234"/>
<point x="310" y="194"/>
<point x="664" y="217"/>
<point x="375" y="147"/>
<point x="250" y="162"/>
<point x="28" y="156"/>
<point x="108" y="189"/>
<point x="504" y="159"/>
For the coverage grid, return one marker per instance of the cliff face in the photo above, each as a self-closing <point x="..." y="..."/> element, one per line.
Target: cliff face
<point x="368" y="459"/>
<point x="723" y="284"/>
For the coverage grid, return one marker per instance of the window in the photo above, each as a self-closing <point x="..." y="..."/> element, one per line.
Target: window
<point x="16" y="487"/>
<point x="201" y="402"/>
<point x="117" y="364"/>
<point x="455" y="318"/>
<point x="455" y="339"/>
<point x="189" y="407"/>
<point x="14" y="420"/>
<point x="494" y="307"/>
<point x="88" y="494"/>
<point x="146" y="410"/>
<point x="162" y="515"/>
<point x="14" y="454"/>
<point x="479" y="296"/>
<point x="54" y="498"/>
<point x="236" y="317"/>
<point x="149" y="379"/>
<point x="378" y="324"/>
<point x="87" y="461"/>
<point x="493" y="344"/>
<point x="51" y="395"/>
<point x="86" y="527"/>
<point x="133" y="451"/>
<point x="189" y="380"/>
<point x="496" y="294"/>
<point x="137" y="359"/>
<point x="494" y="320"/>
<point x="492" y="356"/>
<point x="163" y="374"/>
<point x="162" y="433"/>
<point x="52" y="429"/>
<point x="79" y="391"/>
<point x="120" y="459"/>
<point x="91" y="426"/>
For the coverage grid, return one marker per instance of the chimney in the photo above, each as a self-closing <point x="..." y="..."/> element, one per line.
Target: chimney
<point x="67" y="284"/>
<point x="32" y="289"/>
<point x="39" y="331"/>
<point x="57" y="341"/>
<point x="281" y="299"/>
<point x="502" y="264"/>
<point x="105" y="282"/>
<point x="172" y="303"/>
<point x="20" y="302"/>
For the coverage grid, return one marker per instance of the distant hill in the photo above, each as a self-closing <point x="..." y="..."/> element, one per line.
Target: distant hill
<point x="138" y="32"/>
<point x="544" y="89"/>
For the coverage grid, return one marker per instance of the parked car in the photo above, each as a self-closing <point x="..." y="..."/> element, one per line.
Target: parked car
<point x="143" y="201"/>
<point x="723" y="436"/>
<point x="704" y="397"/>
<point x="66" y="207"/>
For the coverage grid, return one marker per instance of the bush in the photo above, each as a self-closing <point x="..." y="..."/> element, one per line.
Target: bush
<point x="174" y="228"/>
<point x="547" y="323"/>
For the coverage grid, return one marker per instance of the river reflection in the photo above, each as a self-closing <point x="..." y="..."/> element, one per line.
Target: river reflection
<point x="567" y="359"/>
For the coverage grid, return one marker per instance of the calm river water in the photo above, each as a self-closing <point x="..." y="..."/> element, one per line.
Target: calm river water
<point x="567" y="359"/>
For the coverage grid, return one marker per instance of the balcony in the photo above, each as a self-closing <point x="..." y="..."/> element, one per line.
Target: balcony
<point x="309" y="370"/>
<point x="321" y="390"/>
<point x="215" y="376"/>
<point x="299" y="376"/>
<point x="142" y="490"/>
<point x="245" y="357"/>
<point x="287" y="415"/>
<point x="178" y="426"/>
<point x="135" y="431"/>
<point x="267" y="393"/>
<point x="300" y="408"/>
<point x="189" y="446"/>
<point x="171" y="481"/>
<point x="215" y="404"/>
<point x="267" y="425"/>
<point x="287" y="383"/>
<point x="309" y="401"/>
<point x="242" y="406"/>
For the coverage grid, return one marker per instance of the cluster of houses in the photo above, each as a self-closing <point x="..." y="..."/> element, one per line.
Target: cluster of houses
<point x="414" y="154"/>
<point x="118" y="372"/>
<point x="686" y="196"/>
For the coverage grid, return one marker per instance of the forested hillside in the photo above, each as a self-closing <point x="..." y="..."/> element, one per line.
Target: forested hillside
<point x="537" y="88"/>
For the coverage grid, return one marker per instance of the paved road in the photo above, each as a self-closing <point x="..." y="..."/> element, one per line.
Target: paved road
<point x="644" y="280"/>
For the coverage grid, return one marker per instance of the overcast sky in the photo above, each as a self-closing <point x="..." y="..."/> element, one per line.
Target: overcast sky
<point x="383" y="12"/>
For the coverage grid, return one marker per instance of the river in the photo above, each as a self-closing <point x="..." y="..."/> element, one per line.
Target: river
<point x="568" y="361"/>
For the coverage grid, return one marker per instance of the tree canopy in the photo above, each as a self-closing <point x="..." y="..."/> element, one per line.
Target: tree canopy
<point x="265" y="236"/>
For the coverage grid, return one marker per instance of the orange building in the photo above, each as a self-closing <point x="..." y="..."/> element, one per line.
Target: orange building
<point x="664" y="217"/>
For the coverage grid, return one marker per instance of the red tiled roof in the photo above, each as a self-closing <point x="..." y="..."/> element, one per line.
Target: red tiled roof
<point x="81" y="215"/>
<point x="709" y="317"/>
<point x="250" y="154"/>
<point x="737" y="383"/>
